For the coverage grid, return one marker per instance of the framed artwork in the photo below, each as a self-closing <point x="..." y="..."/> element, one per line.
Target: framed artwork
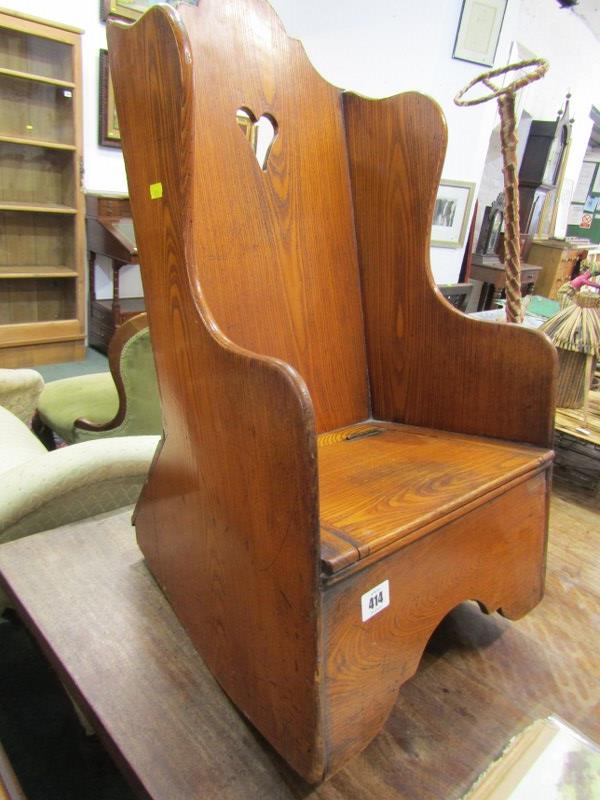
<point x="479" y="31"/>
<point x="127" y="9"/>
<point x="109" y="134"/>
<point x="131" y="9"/>
<point x="247" y="126"/>
<point x="451" y="213"/>
<point x="575" y="214"/>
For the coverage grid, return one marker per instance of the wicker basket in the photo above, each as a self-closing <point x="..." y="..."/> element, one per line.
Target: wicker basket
<point x="575" y="331"/>
<point x="571" y="371"/>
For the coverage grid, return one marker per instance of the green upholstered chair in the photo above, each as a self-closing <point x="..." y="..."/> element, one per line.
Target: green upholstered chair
<point x="20" y="390"/>
<point x="122" y="402"/>
<point x="41" y="490"/>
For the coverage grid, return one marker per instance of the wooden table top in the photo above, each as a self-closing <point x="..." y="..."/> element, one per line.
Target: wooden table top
<point x="571" y="420"/>
<point x="86" y="594"/>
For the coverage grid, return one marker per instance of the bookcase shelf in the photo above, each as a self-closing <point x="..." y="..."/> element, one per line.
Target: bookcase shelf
<point x="39" y="78"/>
<point x="37" y="143"/>
<point x="36" y="110"/>
<point x="37" y="271"/>
<point x="43" y="208"/>
<point x="42" y="214"/>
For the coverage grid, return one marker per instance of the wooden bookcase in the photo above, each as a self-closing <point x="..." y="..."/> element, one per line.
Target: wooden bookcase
<point x="42" y="215"/>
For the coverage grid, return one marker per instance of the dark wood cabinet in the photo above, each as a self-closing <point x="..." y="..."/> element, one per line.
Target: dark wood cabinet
<point x="541" y="167"/>
<point x="110" y="233"/>
<point x="492" y="272"/>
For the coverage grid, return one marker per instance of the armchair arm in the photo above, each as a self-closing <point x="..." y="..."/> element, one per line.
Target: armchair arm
<point x="228" y="521"/>
<point x="74" y="482"/>
<point x="430" y="365"/>
<point x="20" y="390"/>
<point x="233" y="493"/>
<point x="482" y="378"/>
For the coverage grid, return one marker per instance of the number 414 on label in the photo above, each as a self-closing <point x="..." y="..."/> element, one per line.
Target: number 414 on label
<point x="375" y="600"/>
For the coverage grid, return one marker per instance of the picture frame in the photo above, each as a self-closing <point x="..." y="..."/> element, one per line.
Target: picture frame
<point x="451" y="213"/>
<point x="126" y="9"/>
<point x="109" y="134"/>
<point x="479" y="31"/>
<point x="247" y="126"/>
<point x="131" y="9"/>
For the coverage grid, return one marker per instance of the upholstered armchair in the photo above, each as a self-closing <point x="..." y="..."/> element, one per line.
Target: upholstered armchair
<point x="122" y="402"/>
<point x="20" y="390"/>
<point x="41" y="489"/>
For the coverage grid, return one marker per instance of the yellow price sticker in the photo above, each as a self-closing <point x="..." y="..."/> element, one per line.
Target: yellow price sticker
<point x="156" y="191"/>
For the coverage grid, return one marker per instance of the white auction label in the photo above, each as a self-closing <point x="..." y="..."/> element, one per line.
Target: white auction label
<point x="375" y="600"/>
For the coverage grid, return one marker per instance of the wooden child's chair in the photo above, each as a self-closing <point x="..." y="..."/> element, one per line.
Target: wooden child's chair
<point x="346" y="457"/>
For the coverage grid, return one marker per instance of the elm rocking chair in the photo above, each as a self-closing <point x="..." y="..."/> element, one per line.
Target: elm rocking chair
<point x="337" y="470"/>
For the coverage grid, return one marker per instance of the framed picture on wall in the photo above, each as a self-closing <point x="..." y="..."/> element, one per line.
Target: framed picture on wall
<point x="451" y="213"/>
<point x="132" y="9"/>
<point x="479" y="31"/>
<point x="109" y="134"/>
<point x="127" y="9"/>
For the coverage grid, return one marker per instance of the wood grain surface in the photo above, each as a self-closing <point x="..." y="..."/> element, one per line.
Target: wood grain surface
<point x="389" y="481"/>
<point x="252" y="278"/>
<point x="273" y="286"/>
<point x="112" y="635"/>
<point x="235" y="480"/>
<point x="368" y="661"/>
<point x="426" y="359"/>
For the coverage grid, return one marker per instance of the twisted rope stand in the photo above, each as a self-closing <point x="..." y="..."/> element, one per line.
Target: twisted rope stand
<point x="508" y="138"/>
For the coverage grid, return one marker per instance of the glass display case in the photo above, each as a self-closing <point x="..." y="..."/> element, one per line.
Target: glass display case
<point x="42" y="256"/>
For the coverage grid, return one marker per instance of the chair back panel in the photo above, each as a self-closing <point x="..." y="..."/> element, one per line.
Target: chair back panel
<point x="276" y="257"/>
<point x="138" y="373"/>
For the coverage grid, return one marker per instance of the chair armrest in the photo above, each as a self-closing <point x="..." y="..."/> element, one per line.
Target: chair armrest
<point x="430" y="365"/>
<point x="232" y="493"/>
<point x="228" y="521"/>
<point x="20" y="390"/>
<point x="482" y="378"/>
<point x="72" y="483"/>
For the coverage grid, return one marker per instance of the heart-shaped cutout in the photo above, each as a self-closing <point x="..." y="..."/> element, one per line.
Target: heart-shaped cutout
<point x="260" y="133"/>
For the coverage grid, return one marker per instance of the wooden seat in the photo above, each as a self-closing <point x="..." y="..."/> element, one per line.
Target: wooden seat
<point x="324" y="494"/>
<point x="380" y="483"/>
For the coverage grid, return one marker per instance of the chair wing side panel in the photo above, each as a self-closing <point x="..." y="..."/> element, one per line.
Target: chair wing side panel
<point x="429" y="364"/>
<point x="228" y="519"/>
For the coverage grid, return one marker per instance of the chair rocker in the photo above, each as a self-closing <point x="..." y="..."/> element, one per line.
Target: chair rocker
<point x="337" y="471"/>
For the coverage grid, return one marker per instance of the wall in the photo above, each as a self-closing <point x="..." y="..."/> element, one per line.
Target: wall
<point x="574" y="55"/>
<point x="560" y="36"/>
<point x="382" y="47"/>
